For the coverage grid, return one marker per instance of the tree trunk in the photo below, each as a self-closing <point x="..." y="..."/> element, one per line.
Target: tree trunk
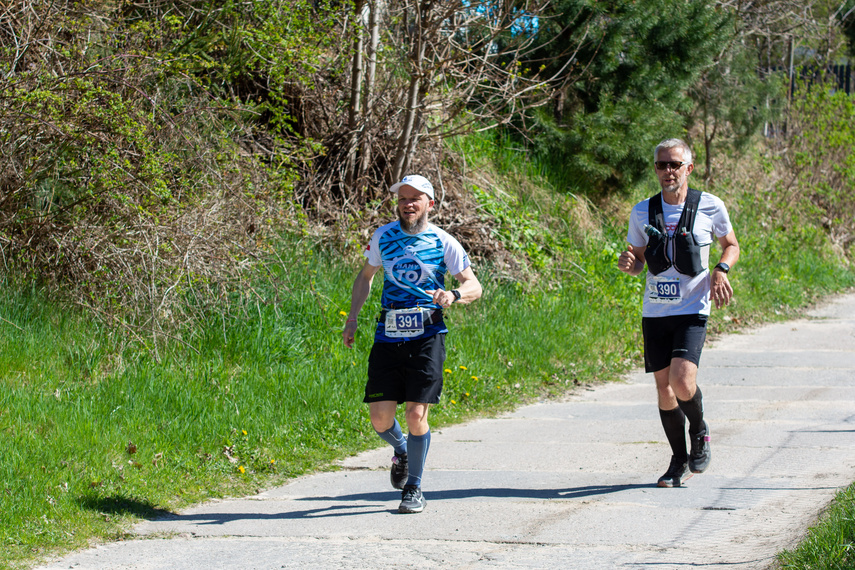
<point x="409" y="135"/>
<point x="367" y="102"/>
<point x="355" y="91"/>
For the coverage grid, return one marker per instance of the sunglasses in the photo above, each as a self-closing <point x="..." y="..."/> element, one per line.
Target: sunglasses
<point x="662" y="165"/>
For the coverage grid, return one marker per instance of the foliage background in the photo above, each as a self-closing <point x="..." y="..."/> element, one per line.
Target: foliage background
<point x="154" y="152"/>
<point x="186" y="187"/>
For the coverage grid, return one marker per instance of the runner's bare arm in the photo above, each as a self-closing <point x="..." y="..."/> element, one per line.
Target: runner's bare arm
<point x="632" y="261"/>
<point x="470" y="290"/>
<point x="359" y="294"/>
<point x="720" y="289"/>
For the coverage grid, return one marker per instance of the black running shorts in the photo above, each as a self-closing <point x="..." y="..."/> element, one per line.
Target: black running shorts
<point x="679" y="336"/>
<point x="409" y="371"/>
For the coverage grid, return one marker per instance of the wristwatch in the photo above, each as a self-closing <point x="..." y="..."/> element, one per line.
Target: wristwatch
<point x="456" y="294"/>
<point x="723" y="266"/>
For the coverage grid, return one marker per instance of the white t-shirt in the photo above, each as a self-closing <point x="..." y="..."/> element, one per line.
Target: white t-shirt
<point x="711" y="222"/>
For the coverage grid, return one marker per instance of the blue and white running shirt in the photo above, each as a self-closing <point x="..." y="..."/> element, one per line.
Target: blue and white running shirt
<point x="413" y="264"/>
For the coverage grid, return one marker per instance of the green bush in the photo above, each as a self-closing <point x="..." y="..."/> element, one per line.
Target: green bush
<point x="820" y="157"/>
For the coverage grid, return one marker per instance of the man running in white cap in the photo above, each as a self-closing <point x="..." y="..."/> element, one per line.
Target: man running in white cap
<point x="407" y="358"/>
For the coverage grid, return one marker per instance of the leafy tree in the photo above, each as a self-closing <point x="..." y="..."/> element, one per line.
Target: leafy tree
<point x="745" y="88"/>
<point x="733" y="99"/>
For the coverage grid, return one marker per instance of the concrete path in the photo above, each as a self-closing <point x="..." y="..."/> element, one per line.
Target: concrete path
<point x="566" y="484"/>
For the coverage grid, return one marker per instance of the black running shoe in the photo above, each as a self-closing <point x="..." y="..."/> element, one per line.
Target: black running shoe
<point x="699" y="458"/>
<point x="676" y="473"/>
<point x="400" y="470"/>
<point x="412" y="500"/>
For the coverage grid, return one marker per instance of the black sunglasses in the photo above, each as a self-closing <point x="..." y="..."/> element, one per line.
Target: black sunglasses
<point x="663" y="164"/>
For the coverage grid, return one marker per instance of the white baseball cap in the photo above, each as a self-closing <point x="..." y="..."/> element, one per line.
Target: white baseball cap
<point x="420" y="183"/>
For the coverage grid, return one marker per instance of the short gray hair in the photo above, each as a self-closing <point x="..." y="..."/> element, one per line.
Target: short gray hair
<point x="674" y="143"/>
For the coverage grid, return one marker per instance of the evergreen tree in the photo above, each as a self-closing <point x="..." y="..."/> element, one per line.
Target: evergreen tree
<point x="633" y="63"/>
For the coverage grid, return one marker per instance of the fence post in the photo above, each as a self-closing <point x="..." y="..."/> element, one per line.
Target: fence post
<point x="848" y="79"/>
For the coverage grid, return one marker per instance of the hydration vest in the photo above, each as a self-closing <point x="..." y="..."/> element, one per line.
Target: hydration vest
<point x="687" y="252"/>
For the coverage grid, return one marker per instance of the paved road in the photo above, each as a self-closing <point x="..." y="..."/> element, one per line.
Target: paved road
<point x="566" y="484"/>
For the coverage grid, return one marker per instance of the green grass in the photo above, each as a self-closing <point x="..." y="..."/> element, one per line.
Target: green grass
<point x="97" y="434"/>
<point x="830" y="544"/>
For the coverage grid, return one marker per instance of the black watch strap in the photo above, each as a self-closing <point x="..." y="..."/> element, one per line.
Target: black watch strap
<point x="456" y="294"/>
<point x="723" y="266"/>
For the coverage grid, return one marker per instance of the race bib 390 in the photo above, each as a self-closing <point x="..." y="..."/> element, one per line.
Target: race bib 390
<point x="664" y="290"/>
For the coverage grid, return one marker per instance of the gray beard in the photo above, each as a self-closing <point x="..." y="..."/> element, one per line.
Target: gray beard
<point x="416" y="227"/>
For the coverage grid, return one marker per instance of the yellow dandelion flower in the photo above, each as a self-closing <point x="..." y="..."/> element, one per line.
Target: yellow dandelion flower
<point x="447" y="370"/>
<point x="241" y="469"/>
<point x="475" y="378"/>
<point x="342" y="313"/>
<point x="467" y="394"/>
<point x="453" y="402"/>
<point x="243" y="431"/>
<point x="273" y="462"/>
<point x="463" y="368"/>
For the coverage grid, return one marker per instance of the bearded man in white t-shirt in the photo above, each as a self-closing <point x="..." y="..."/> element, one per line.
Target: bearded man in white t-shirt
<point x="671" y="233"/>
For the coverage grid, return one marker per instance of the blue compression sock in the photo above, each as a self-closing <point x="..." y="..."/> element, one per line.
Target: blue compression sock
<point x="394" y="437"/>
<point x="419" y="445"/>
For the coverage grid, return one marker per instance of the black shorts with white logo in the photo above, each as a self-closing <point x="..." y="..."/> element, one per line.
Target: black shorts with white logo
<point x="678" y="336"/>
<point x="409" y="371"/>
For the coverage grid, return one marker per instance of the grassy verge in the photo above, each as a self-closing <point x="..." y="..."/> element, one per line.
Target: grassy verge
<point x="97" y="434"/>
<point x="830" y="544"/>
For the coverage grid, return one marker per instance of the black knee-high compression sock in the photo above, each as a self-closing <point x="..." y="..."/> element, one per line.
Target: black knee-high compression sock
<point x="694" y="410"/>
<point x="674" y="422"/>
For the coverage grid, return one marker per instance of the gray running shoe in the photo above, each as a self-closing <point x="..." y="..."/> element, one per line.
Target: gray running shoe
<point x="400" y="470"/>
<point x="676" y="473"/>
<point x="699" y="458"/>
<point x="412" y="500"/>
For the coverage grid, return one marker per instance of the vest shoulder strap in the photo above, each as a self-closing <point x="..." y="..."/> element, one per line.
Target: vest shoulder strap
<point x="690" y="210"/>
<point x="656" y="217"/>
